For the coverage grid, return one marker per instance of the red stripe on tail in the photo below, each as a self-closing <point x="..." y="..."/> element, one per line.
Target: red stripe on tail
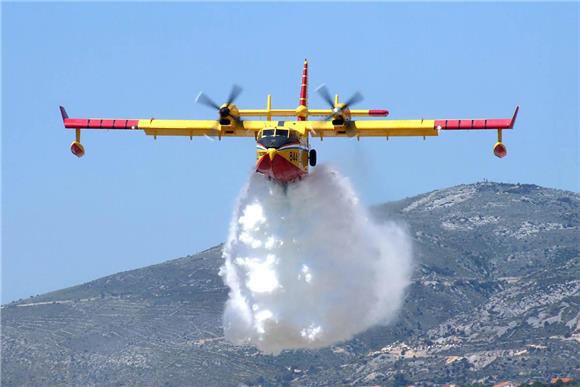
<point x="304" y="89"/>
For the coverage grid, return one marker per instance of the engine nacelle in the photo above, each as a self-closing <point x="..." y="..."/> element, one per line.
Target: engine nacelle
<point x="77" y="149"/>
<point x="499" y="149"/>
<point x="228" y="113"/>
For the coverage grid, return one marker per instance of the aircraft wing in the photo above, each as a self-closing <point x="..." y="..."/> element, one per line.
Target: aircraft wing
<point x="388" y="128"/>
<point x="157" y="127"/>
<point x="359" y="128"/>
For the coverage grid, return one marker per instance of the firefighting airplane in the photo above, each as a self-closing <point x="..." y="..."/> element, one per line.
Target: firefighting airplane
<point x="283" y="147"/>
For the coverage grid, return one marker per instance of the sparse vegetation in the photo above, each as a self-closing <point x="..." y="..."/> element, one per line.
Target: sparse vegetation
<point x="492" y="303"/>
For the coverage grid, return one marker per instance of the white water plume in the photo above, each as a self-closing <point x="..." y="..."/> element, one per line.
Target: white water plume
<point x="308" y="268"/>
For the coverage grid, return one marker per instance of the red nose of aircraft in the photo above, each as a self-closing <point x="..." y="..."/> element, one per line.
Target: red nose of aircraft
<point x="276" y="167"/>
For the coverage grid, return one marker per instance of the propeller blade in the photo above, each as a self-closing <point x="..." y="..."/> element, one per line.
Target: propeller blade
<point x="207" y="101"/>
<point x="322" y="90"/>
<point x="356" y="98"/>
<point x="234" y="93"/>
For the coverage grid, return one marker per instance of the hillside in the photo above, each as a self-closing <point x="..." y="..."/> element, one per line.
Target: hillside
<point x="495" y="296"/>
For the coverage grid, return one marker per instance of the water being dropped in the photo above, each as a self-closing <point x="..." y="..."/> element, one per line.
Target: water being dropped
<point x="308" y="268"/>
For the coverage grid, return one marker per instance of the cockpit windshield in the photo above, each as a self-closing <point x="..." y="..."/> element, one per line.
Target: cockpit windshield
<point x="275" y="132"/>
<point x="276" y="137"/>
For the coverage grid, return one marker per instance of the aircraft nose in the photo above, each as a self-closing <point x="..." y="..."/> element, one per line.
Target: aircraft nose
<point x="272" y="153"/>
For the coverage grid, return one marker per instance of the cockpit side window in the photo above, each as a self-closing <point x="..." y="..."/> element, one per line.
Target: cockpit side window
<point x="282" y="132"/>
<point x="267" y="132"/>
<point x="293" y="135"/>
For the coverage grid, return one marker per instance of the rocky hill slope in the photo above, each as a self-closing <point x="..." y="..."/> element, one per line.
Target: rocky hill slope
<point x="495" y="296"/>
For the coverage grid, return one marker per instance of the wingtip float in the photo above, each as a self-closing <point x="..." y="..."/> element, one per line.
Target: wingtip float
<point x="283" y="148"/>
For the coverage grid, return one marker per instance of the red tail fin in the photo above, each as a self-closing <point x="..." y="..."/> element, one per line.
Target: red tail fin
<point x="304" y="88"/>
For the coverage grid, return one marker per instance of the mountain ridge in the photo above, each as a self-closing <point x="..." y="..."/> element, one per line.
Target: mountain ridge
<point x="481" y="249"/>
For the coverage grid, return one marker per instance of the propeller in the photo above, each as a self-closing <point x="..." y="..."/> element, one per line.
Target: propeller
<point x="224" y="110"/>
<point x="207" y="101"/>
<point x="234" y="94"/>
<point x="322" y="90"/>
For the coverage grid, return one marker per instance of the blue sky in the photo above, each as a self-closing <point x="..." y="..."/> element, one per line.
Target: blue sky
<point x="132" y="201"/>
